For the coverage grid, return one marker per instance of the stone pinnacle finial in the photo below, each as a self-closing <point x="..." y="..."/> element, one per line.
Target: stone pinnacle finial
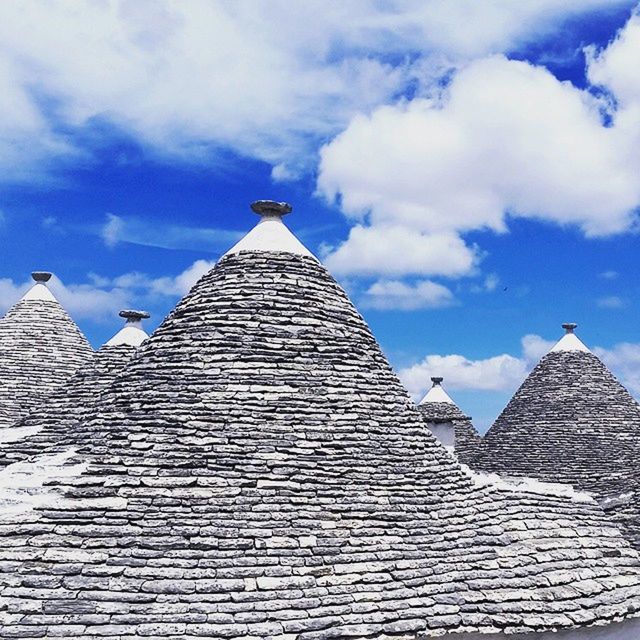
<point x="41" y="276"/>
<point x="271" y="208"/>
<point x="437" y="380"/>
<point x="133" y="315"/>
<point x="569" y="326"/>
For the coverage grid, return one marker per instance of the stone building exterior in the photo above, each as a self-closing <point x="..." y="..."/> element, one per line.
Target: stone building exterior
<point x="571" y="421"/>
<point x="40" y="348"/>
<point x="257" y="471"/>
<point x="448" y="424"/>
<point x="50" y="426"/>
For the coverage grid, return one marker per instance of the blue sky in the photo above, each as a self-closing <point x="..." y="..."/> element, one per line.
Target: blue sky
<point x="469" y="171"/>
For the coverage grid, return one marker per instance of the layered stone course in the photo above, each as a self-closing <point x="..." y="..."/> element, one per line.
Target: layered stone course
<point x="40" y="348"/>
<point x="572" y="421"/>
<point x="257" y="471"/>
<point x="50" y="427"/>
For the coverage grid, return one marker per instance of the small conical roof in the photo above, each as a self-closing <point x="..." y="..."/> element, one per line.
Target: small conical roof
<point x="437" y="407"/>
<point x="570" y="421"/>
<point x="258" y="471"/>
<point x="40" y="348"/>
<point x="50" y="426"/>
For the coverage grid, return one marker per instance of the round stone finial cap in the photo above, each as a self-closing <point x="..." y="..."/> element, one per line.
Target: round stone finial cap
<point x="569" y="326"/>
<point x="133" y="314"/>
<point x="271" y="208"/>
<point x="436" y="380"/>
<point x="41" y="276"/>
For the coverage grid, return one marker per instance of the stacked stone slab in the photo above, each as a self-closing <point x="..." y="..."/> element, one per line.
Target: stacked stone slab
<point x="51" y="426"/>
<point x="439" y="409"/>
<point x="571" y="421"/>
<point x="258" y="471"/>
<point x="40" y="348"/>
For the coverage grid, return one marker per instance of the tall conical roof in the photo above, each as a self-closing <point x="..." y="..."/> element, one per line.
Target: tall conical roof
<point x="437" y="407"/>
<point x="258" y="471"/>
<point x="40" y="347"/>
<point x="51" y="426"/>
<point x="570" y="421"/>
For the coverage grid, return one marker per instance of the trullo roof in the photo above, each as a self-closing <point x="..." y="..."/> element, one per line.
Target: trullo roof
<point x="258" y="471"/>
<point x="438" y="407"/>
<point x="51" y="426"/>
<point x="40" y="348"/>
<point x="570" y="421"/>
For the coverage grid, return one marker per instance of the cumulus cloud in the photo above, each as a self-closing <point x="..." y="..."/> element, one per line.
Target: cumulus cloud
<point x="394" y="294"/>
<point x="101" y="298"/>
<point x="505" y="372"/>
<point x="398" y="250"/>
<point x="191" y="79"/>
<point x="505" y="139"/>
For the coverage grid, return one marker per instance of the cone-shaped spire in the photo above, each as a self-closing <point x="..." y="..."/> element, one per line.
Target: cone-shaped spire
<point x="259" y="461"/>
<point x="40" y="347"/>
<point x="570" y="421"/>
<point x="51" y="427"/>
<point x="132" y="333"/>
<point x="270" y="234"/>
<point x="448" y="423"/>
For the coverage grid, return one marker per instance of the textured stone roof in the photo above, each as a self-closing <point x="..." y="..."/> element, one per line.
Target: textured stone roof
<point x="40" y="347"/>
<point x="258" y="471"/>
<point x="437" y="407"/>
<point x="51" y="426"/>
<point x="571" y="421"/>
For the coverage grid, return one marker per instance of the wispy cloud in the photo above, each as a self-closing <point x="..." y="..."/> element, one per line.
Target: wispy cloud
<point x="395" y="294"/>
<point x="611" y="302"/>
<point x="608" y="275"/>
<point x="149" y="233"/>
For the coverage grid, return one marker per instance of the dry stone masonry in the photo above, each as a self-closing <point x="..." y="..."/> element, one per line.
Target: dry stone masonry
<point x="257" y="471"/>
<point x="443" y="416"/>
<point x="571" y="421"/>
<point x="40" y="348"/>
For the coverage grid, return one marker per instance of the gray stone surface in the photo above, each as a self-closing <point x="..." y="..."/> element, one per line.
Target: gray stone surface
<point x="258" y="471"/>
<point x="40" y="348"/>
<point x="571" y="421"/>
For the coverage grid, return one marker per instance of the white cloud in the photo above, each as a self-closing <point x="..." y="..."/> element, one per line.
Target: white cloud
<point x="167" y="236"/>
<point x="609" y="275"/>
<point x="101" y="298"/>
<point x="624" y="360"/>
<point x="394" y="294"/>
<point x="189" y="79"/>
<point x="399" y="250"/>
<point x="611" y="302"/>
<point x="506" y="372"/>
<point x="505" y="139"/>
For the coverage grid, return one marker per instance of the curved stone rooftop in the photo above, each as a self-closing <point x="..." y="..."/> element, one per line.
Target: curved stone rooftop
<point x="437" y="407"/>
<point x="571" y="421"/>
<point x="51" y="427"/>
<point x="40" y="348"/>
<point x="258" y="471"/>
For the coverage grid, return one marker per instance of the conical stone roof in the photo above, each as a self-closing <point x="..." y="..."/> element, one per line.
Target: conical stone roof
<point x="570" y="421"/>
<point x="51" y="426"/>
<point x="258" y="471"/>
<point x="40" y="348"/>
<point x="437" y="407"/>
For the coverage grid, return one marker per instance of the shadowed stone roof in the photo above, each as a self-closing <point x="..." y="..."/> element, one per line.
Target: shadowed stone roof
<point x="438" y="407"/>
<point x="51" y="426"/>
<point x="571" y="421"/>
<point x="40" y="347"/>
<point x="258" y="471"/>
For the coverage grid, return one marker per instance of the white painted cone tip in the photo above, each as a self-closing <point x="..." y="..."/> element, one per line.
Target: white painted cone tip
<point x="270" y="234"/>
<point x="570" y="341"/>
<point x="437" y="394"/>
<point x="132" y="334"/>
<point x="39" y="291"/>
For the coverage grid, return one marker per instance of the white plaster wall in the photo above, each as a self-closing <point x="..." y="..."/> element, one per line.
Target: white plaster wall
<point x="445" y="433"/>
<point x="627" y="630"/>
